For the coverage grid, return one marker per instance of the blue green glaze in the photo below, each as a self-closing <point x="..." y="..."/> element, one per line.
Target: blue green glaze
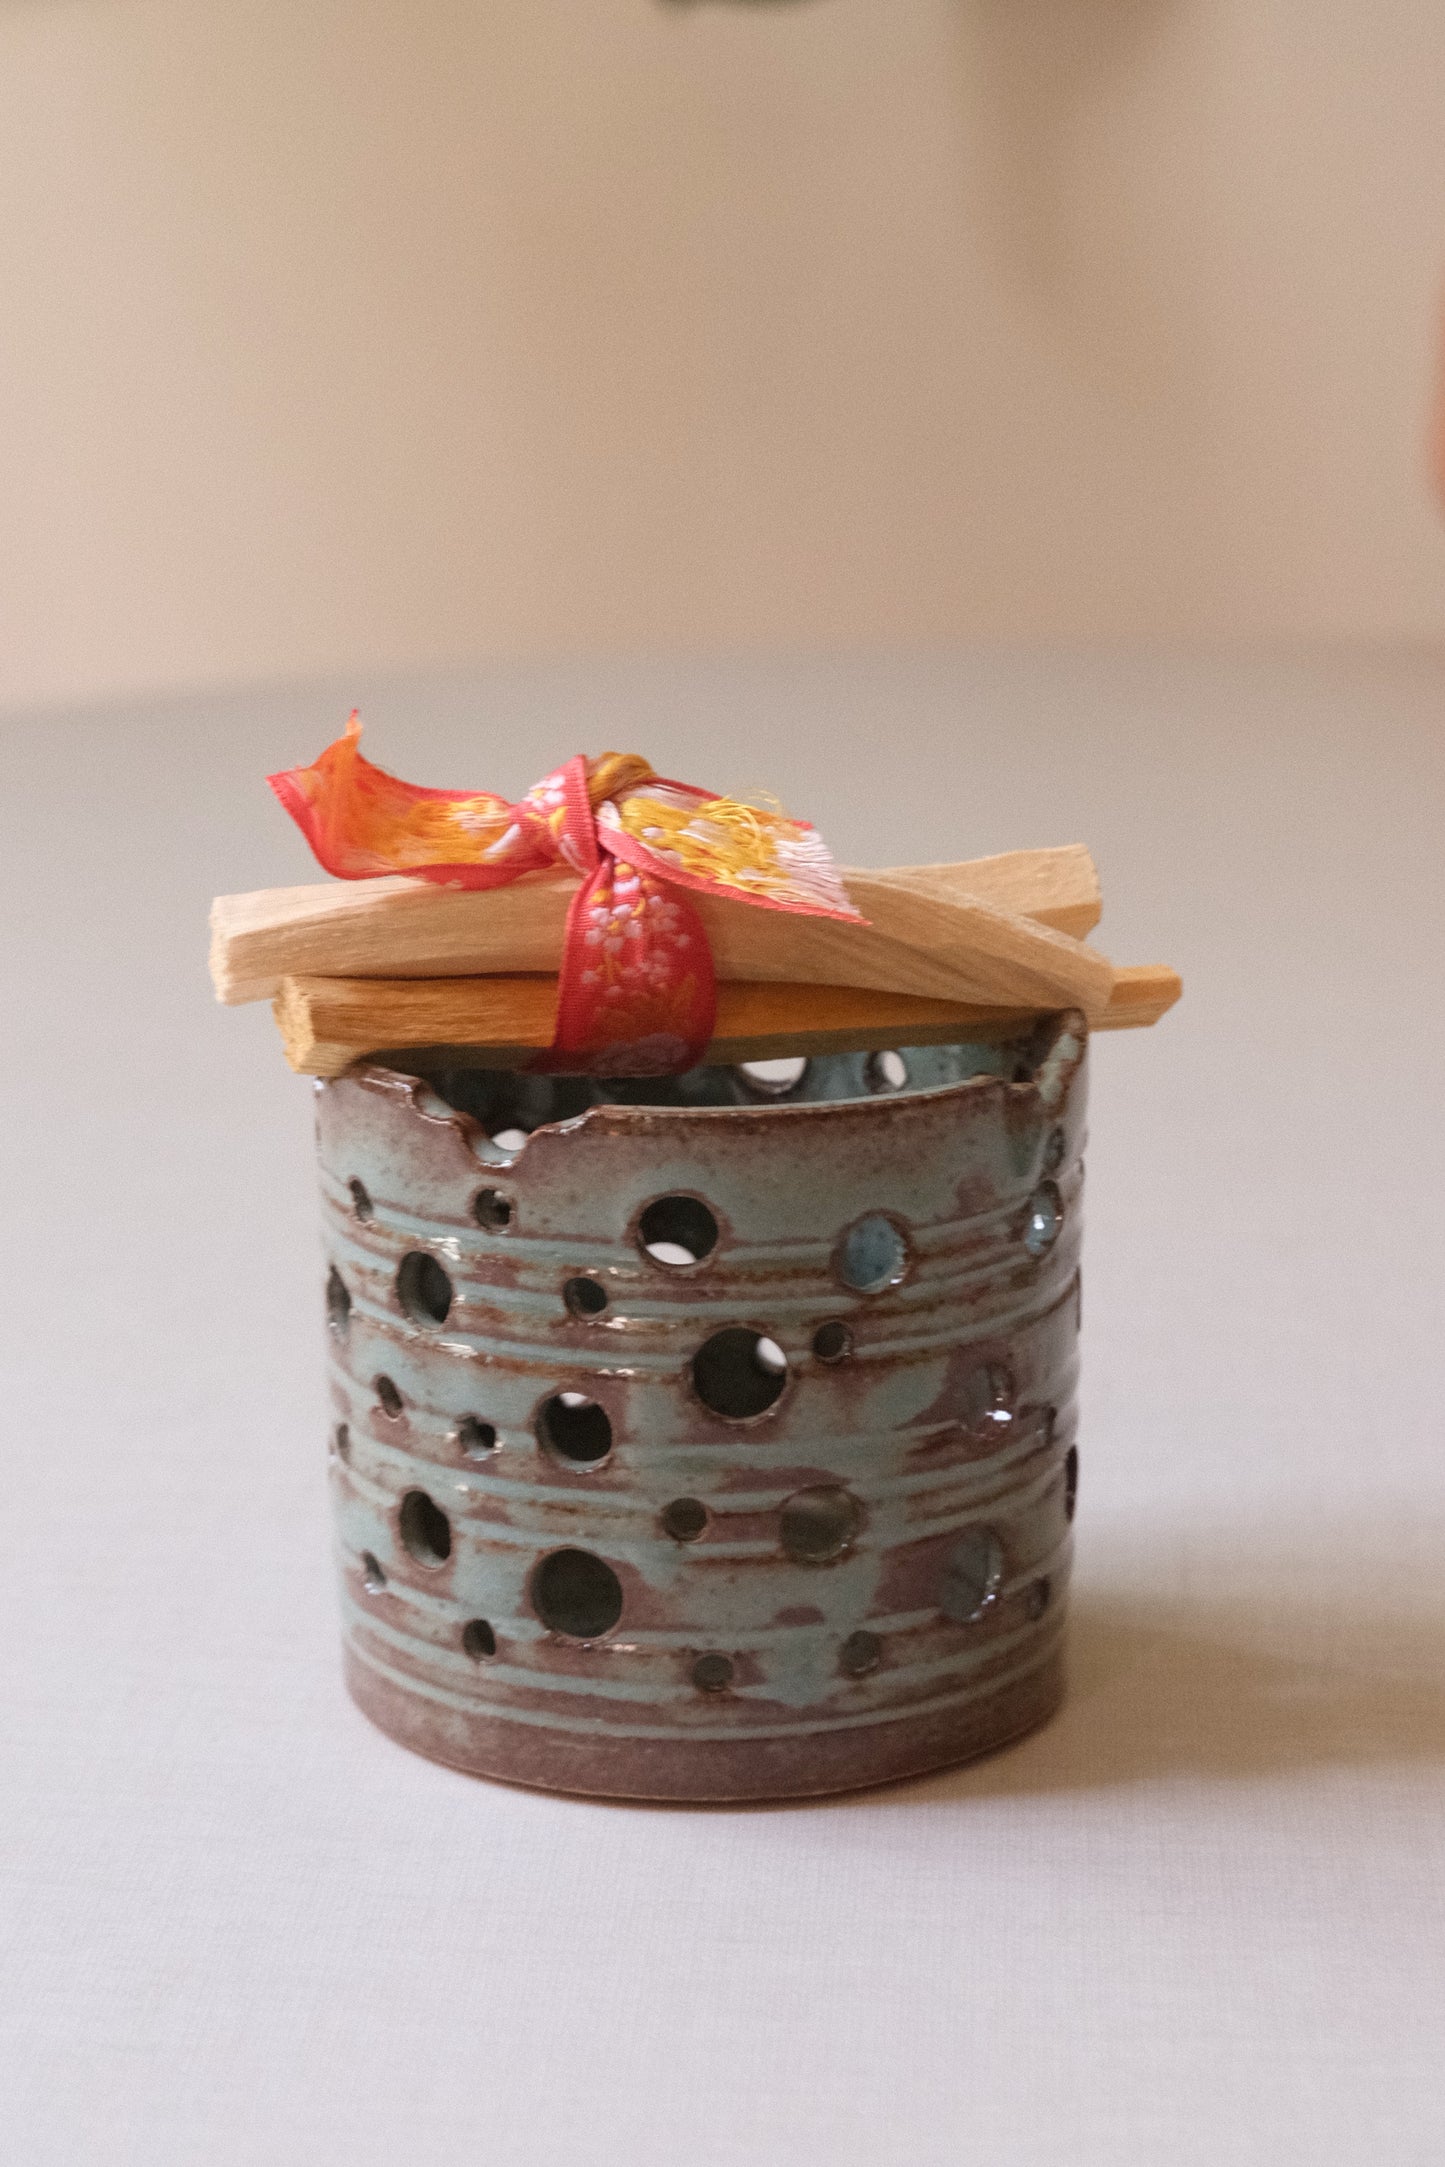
<point x="953" y="1412"/>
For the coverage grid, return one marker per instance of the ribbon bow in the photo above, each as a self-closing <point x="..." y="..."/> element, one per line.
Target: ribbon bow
<point x="636" y="991"/>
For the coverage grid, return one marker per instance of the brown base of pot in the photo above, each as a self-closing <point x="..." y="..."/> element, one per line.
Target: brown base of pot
<point x="711" y="1771"/>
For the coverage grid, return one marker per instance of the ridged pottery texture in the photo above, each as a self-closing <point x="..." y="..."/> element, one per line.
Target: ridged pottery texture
<point x="714" y="1449"/>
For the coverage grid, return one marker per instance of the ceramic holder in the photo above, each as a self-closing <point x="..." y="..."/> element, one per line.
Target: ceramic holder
<point x="707" y="1439"/>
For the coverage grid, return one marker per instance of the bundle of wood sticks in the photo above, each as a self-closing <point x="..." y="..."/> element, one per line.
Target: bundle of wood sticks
<point x="355" y="968"/>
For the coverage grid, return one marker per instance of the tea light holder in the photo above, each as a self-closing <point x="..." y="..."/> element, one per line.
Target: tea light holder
<point x="711" y="1438"/>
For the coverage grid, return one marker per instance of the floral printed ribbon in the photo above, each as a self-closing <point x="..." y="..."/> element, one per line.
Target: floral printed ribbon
<point x="636" y="993"/>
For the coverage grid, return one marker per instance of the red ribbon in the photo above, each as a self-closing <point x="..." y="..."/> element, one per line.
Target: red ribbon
<point x="636" y="995"/>
<point x="636" y="987"/>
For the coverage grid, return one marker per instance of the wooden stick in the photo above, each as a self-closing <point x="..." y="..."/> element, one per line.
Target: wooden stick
<point x="1058" y="888"/>
<point x="929" y="934"/>
<point x="327" y="1024"/>
<point x="1143" y="992"/>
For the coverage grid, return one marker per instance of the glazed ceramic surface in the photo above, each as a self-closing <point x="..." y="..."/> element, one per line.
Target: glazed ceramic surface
<point x="713" y="1449"/>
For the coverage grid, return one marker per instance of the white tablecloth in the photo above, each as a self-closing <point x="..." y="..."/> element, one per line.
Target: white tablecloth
<point x="1199" y="1919"/>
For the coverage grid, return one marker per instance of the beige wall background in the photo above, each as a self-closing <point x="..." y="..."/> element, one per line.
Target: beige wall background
<point x="341" y="336"/>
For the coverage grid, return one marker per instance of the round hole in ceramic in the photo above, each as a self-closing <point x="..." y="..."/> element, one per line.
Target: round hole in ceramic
<point x="819" y="1523"/>
<point x="677" y="1231"/>
<point x="584" y="1297"/>
<point x="739" y="1373"/>
<point x="425" y="1530"/>
<point x="872" y="1255"/>
<point x="860" y="1653"/>
<point x="576" y="1594"/>
<point x="832" y="1341"/>
<point x="1045" y="1217"/>
<point x="477" y="1439"/>
<point x="986" y="1400"/>
<point x="575" y="1429"/>
<point x="712" y="1673"/>
<point x="338" y="1302"/>
<point x="424" y="1289"/>
<point x="971" y="1575"/>
<point x="684" y="1519"/>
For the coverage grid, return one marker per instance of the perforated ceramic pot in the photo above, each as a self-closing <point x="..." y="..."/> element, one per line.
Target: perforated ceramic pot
<point x="720" y="1448"/>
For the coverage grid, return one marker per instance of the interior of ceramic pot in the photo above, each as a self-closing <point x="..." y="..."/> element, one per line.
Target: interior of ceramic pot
<point x="510" y="1104"/>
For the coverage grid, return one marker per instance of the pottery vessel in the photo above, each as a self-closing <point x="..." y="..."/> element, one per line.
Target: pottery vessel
<point x="710" y="1439"/>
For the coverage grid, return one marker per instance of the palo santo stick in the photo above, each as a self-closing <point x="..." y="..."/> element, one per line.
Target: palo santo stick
<point x="386" y="928"/>
<point x="1143" y="992"/>
<point x="394" y="926"/>
<point x="1059" y="888"/>
<point x="918" y="941"/>
<point x="935" y="938"/>
<point x="327" y="1024"/>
